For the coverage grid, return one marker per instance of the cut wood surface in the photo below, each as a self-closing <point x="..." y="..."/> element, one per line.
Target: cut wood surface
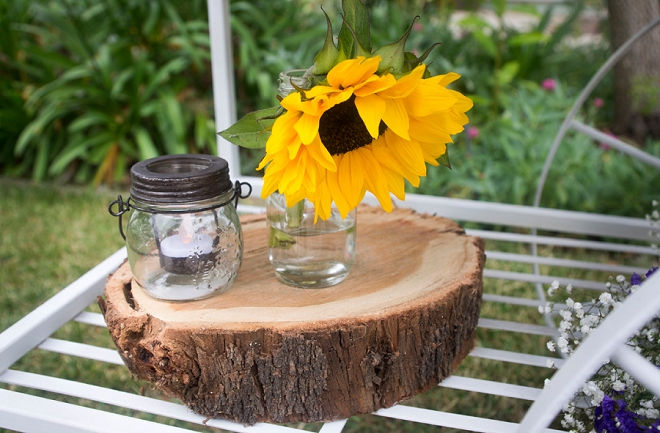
<point x="402" y="320"/>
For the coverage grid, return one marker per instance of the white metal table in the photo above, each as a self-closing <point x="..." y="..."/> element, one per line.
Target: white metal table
<point x="97" y="408"/>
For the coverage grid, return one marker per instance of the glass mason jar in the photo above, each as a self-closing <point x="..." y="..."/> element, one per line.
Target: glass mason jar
<point x="183" y="237"/>
<point x="304" y="253"/>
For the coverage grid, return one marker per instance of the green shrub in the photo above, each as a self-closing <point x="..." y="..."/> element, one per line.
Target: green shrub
<point x="127" y="80"/>
<point x="504" y="162"/>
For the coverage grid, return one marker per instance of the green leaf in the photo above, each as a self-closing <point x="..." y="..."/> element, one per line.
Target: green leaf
<point x="507" y="73"/>
<point x="174" y="66"/>
<point x="394" y="55"/>
<point x="89" y="119"/>
<point x="64" y="158"/>
<point x="499" y="6"/>
<point x="358" y="49"/>
<point x="486" y="43"/>
<point x="41" y="161"/>
<point x="532" y="38"/>
<point x="253" y="130"/>
<point x="357" y="17"/>
<point x="145" y="144"/>
<point x="325" y="59"/>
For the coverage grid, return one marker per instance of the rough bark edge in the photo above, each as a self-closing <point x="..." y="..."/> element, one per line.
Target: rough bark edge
<point x="261" y="376"/>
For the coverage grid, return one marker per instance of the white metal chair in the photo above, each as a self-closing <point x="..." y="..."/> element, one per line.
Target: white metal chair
<point x="29" y="413"/>
<point x="606" y="342"/>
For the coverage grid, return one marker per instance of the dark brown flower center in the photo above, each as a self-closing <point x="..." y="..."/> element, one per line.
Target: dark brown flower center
<point x="341" y="128"/>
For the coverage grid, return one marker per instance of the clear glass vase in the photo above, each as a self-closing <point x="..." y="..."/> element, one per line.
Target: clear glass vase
<point x="305" y="253"/>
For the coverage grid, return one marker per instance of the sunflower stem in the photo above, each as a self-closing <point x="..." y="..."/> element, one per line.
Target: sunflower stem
<point x="294" y="214"/>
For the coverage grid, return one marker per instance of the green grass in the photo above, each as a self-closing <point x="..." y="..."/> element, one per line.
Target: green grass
<point x="53" y="235"/>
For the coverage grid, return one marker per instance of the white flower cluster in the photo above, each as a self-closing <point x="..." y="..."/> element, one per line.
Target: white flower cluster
<point x="578" y="320"/>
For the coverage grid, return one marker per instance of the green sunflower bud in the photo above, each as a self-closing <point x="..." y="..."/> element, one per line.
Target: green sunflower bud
<point x="444" y="159"/>
<point x="326" y="58"/>
<point x="394" y="55"/>
<point x="419" y="60"/>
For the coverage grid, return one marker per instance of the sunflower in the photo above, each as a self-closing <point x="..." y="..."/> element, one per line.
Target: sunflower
<point x="360" y="131"/>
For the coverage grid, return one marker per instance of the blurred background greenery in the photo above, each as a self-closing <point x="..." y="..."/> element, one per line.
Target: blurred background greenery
<point x="88" y="88"/>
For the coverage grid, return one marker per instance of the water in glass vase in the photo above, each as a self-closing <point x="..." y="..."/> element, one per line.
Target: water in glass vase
<point x="307" y="254"/>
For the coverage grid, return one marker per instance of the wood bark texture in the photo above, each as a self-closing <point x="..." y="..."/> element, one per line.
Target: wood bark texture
<point x="637" y="75"/>
<point x="403" y="320"/>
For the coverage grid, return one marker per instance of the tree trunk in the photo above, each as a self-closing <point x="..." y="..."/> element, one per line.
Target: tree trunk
<point x="637" y="75"/>
<point x="403" y="320"/>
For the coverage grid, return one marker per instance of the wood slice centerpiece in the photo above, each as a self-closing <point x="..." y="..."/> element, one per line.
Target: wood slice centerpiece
<point x="403" y="320"/>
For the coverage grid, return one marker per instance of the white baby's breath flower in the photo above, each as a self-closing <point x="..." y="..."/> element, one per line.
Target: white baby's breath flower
<point x="569" y="302"/>
<point x="605" y="298"/>
<point x="620" y="279"/>
<point x="646" y="403"/>
<point x="551" y="346"/>
<point x="562" y="342"/>
<point x="550" y="363"/>
<point x="546" y="383"/>
<point x="569" y="288"/>
<point x="618" y="386"/>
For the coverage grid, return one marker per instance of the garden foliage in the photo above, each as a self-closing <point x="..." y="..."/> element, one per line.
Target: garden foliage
<point x="88" y="88"/>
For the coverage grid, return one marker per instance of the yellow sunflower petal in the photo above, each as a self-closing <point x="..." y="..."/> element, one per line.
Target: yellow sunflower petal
<point x="319" y="90"/>
<point x="434" y="128"/>
<point x="409" y="153"/>
<point x="292" y="102"/>
<point x="307" y="127"/>
<point x="371" y="109"/>
<point x="321" y="155"/>
<point x="395" y="183"/>
<point x="396" y="117"/>
<point x="405" y="85"/>
<point x="352" y="71"/>
<point x="269" y="186"/>
<point x="335" y="190"/>
<point x="433" y="151"/>
<point x="282" y="133"/>
<point x="374" y="84"/>
<point x="427" y="99"/>
<point x="374" y="177"/>
<point x="351" y="178"/>
<point x="445" y="80"/>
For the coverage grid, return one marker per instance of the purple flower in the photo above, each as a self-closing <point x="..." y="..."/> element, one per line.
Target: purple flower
<point x="603" y="420"/>
<point x="637" y="280"/>
<point x="549" y="84"/>
<point x="472" y="132"/>
<point x="626" y="419"/>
